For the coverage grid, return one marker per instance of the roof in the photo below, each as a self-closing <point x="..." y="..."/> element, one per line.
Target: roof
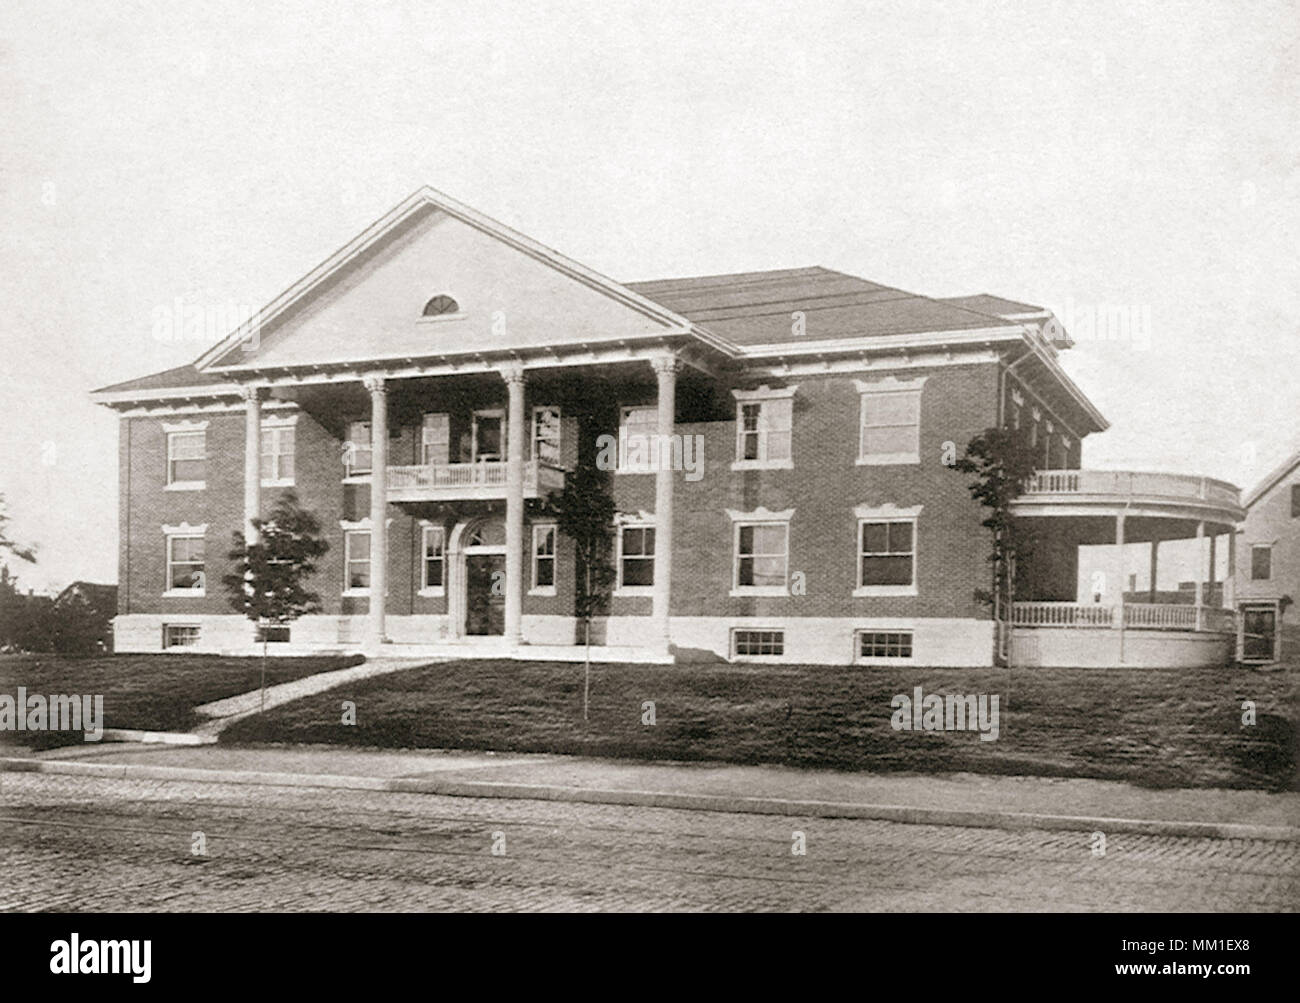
<point x="169" y="379"/>
<point x="995" y="306"/>
<point x="100" y="597"/>
<point x="755" y="308"/>
<point x="1272" y="480"/>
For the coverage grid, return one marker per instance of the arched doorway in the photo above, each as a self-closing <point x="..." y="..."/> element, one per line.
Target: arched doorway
<point x="476" y="592"/>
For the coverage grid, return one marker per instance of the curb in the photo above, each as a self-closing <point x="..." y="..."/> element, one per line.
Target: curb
<point x="661" y="799"/>
<point x="156" y="737"/>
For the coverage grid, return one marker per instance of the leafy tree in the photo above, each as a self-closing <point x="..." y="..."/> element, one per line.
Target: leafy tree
<point x="268" y="583"/>
<point x="584" y="512"/>
<point x="25" y="553"/>
<point x="1002" y="461"/>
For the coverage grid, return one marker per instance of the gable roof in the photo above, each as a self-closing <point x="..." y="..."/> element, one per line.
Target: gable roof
<point x="179" y="378"/>
<point x="755" y="308"/>
<point x="1274" y="477"/>
<point x="997" y="306"/>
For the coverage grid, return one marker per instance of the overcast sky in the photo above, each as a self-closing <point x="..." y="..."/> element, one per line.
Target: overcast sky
<point x="1137" y="156"/>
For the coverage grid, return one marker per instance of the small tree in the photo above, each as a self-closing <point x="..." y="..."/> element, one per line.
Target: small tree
<point x="267" y="584"/>
<point x="1002" y="461"/>
<point x="584" y="512"/>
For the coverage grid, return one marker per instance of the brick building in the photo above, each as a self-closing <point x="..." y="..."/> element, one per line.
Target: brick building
<point x="425" y="387"/>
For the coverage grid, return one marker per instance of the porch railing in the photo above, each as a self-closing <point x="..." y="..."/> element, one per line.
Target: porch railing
<point x="1132" y="484"/>
<point x="1139" y="616"/>
<point x="440" y="478"/>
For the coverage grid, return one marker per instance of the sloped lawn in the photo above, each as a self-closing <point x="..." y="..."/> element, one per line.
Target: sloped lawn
<point x="150" y="692"/>
<point x="1166" y="728"/>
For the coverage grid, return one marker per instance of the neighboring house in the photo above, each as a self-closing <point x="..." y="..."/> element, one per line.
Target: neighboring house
<point x="1270" y="572"/>
<point x="424" y="385"/>
<point x="94" y="606"/>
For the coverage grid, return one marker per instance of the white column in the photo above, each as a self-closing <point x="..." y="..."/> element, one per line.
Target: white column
<point x="1119" y="592"/>
<point x="252" y="460"/>
<point x="516" y="429"/>
<point x="1200" y="572"/>
<point x="1155" y="566"/>
<point x="666" y="368"/>
<point x="1230" y="575"/>
<point x="378" y="390"/>
<point x="1214" y="564"/>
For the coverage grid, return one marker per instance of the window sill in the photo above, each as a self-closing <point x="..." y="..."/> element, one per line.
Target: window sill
<point x="357" y="479"/>
<point x="635" y="470"/>
<point x="762" y="465"/>
<point x="185" y="593"/>
<point x="543" y="590"/>
<point x="881" y="662"/>
<point x="439" y="318"/>
<point x="278" y="484"/>
<point x="864" y="591"/>
<point x="759" y="590"/>
<point x="428" y="593"/>
<point x="356" y="593"/>
<point x="888" y="459"/>
<point x="634" y="590"/>
<point x="187" y="486"/>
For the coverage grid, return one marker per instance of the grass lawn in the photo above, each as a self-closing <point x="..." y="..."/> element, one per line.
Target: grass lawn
<point x="1167" y="728"/>
<point x="151" y="692"/>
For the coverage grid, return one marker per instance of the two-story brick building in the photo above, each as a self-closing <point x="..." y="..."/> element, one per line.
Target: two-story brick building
<point x="426" y="384"/>
<point x="1270" y="537"/>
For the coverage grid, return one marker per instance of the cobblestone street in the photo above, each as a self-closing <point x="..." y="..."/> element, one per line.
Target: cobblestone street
<point x="71" y="843"/>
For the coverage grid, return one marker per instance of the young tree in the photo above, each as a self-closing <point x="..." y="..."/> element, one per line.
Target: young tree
<point x="268" y="583"/>
<point x="584" y="512"/>
<point x="1002" y="461"/>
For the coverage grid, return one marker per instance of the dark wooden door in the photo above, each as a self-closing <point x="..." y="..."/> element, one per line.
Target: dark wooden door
<point x="1260" y="628"/>
<point x="485" y="594"/>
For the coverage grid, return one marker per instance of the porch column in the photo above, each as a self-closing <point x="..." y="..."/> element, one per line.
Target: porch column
<point x="1230" y="575"/>
<point x="1200" y="573"/>
<point x="1119" y="577"/>
<point x="252" y="460"/>
<point x="1214" y="567"/>
<point x="666" y="368"/>
<point x="516" y="429"/>
<point x="1155" y="564"/>
<point x="378" y="390"/>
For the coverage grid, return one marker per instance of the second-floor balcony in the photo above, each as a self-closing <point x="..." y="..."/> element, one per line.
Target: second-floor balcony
<point x="1079" y="492"/>
<point x="485" y="480"/>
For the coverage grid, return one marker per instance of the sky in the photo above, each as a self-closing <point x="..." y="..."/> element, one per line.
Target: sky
<point x="1131" y="166"/>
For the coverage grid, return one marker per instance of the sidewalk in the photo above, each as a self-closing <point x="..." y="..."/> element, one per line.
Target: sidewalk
<point x="955" y="799"/>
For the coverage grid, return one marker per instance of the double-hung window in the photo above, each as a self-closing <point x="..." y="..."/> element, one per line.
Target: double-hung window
<point x="435" y="440"/>
<point x="546" y="435"/>
<point x="356" y="450"/>
<point x="277" y="454"/>
<point x="185" y="561"/>
<point x="764" y="420"/>
<point x="638" y="436"/>
<point x="889" y="421"/>
<point x="636" y="558"/>
<point x="886" y="551"/>
<point x="356" y="560"/>
<point x="760" y="552"/>
<point x="543" y="559"/>
<point x="433" y="560"/>
<point x="186" y="457"/>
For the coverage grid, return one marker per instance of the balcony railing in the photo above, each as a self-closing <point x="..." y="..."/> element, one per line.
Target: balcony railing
<point x="485" y="479"/>
<point x="1138" y="616"/>
<point x="1131" y="484"/>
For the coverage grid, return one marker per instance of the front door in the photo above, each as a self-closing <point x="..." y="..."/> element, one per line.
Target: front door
<point x="485" y="594"/>
<point x="489" y="436"/>
<point x="1259" y="633"/>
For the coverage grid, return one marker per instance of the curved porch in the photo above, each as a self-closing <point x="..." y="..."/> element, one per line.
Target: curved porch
<point x="1066" y="614"/>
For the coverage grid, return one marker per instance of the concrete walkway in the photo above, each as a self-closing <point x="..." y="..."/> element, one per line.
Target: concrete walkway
<point x="958" y="799"/>
<point x="227" y="711"/>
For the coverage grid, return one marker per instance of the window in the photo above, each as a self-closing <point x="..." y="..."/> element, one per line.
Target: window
<point x="185" y="459"/>
<point x="546" y="435"/>
<point x="277" y="455"/>
<point x="638" y="433"/>
<point x="180" y="635"/>
<point x="636" y="557"/>
<point x="757" y="643"/>
<point x="544" y="559"/>
<point x="884" y="644"/>
<point x="763" y="432"/>
<point x="440" y="306"/>
<point x="356" y="451"/>
<point x="435" y="440"/>
<point x="185" y="563"/>
<point x="433" y="560"/>
<point x="1015" y="416"/>
<point x="886" y="554"/>
<point x="356" y="559"/>
<point x="1261" y="562"/>
<point x="273" y="634"/>
<point x="1295" y="501"/>
<point x="890" y="423"/>
<point x="762" y="553"/>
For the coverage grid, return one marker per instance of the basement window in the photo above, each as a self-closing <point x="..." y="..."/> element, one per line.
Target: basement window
<point x="884" y="644"/>
<point x="180" y="635"/>
<point x="757" y="643"/>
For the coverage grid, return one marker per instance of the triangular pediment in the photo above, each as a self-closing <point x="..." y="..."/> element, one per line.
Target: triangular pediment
<point x="368" y="301"/>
